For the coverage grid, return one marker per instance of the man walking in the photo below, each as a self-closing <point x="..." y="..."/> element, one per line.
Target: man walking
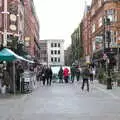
<point x="48" y="75"/>
<point x="85" y="76"/>
<point x="77" y="73"/>
<point x="60" y="75"/>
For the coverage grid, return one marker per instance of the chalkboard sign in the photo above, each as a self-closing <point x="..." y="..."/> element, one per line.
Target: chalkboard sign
<point x="27" y="87"/>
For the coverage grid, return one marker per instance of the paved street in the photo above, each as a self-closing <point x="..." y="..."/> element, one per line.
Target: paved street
<point x="63" y="102"/>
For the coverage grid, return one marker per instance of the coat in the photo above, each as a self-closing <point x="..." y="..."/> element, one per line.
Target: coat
<point x="60" y="73"/>
<point x="86" y="73"/>
<point x="66" y="72"/>
<point x="48" y="73"/>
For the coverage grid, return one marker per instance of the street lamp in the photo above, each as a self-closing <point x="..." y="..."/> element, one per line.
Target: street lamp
<point x="108" y="39"/>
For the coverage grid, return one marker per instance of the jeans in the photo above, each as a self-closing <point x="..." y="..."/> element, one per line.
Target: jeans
<point x="85" y="80"/>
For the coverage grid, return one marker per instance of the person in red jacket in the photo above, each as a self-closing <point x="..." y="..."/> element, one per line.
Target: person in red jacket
<point x="66" y="74"/>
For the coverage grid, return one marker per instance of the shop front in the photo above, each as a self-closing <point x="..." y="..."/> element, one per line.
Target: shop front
<point x="8" y="62"/>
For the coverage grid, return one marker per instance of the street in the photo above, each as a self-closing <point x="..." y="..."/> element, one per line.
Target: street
<point x="63" y="102"/>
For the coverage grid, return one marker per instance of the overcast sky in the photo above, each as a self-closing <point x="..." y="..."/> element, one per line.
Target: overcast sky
<point x="59" y="18"/>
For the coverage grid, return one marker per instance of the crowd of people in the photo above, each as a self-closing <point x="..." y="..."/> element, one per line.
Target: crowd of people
<point x="66" y="75"/>
<point x="45" y="74"/>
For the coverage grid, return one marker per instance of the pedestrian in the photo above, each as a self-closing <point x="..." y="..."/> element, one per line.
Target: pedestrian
<point x="85" y="75"/>
<point x="66" y="74"/>
<point x="91" y="76"/>
<point x="43" y="75"/>
<point x="60" y="75"/>
<point x="72" y="69"/>
<point x="77" y="73"/>
<point x="48" y="75"/>
<point x="19" y="71"/>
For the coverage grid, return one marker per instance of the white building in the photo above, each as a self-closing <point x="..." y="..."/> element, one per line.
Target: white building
<point x="55" y="50"/>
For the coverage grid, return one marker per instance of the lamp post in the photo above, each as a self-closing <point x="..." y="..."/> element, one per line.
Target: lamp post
<point x="108" y="39"/>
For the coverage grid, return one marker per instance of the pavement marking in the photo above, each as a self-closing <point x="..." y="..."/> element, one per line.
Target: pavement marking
<point x="108" y="92"/>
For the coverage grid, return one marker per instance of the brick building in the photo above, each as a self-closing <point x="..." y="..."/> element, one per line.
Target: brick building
<point x="19" y="26"/>
<point x="11" y="22"/>
<point x="77" y="48"/>
<point x="95" y="42"/>
<point x="86" y="33"/>
<point x="31" y="29"/>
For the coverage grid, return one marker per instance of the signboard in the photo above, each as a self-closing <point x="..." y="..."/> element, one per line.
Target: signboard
<point x="87" y="59"/>
<point x="98" y="42"/>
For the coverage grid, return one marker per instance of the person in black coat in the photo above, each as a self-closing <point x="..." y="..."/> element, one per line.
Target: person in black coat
<point x="77" y="74"/>
<point x="60" y="75"/>
<point x="48" y="75"/>
<point x="43" y="75"/>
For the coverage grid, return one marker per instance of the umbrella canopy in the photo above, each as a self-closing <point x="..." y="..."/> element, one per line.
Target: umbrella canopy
<point x="8" y="55"/>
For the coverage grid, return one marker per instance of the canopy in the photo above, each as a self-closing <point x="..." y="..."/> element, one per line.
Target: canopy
<point x="8" y="55"/>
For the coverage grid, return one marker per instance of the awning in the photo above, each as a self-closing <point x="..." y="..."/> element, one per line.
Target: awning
<point x="8" y="55"/>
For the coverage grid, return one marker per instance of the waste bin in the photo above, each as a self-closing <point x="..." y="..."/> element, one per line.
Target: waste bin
<point x="26" y="82"/>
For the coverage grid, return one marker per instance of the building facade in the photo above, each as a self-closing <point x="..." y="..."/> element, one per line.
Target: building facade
<point x="68" y="55"/>
<point x="19" y="26"/>
<point x="55" y="52"/>
<point x="77" y="46"/>
<point x="43" y="52"/>
<point x="96" y="26"/>
<point x="11" y="23"/>
<point x="31" y="29"/>
<point x="86" y="34"/>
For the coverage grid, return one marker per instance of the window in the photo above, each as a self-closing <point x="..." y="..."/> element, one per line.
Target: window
<point x="93" y="28"/>
<point x="55" y="51"/>
<point x="55" y="59"/>
<point x="113" y="37"/>
<point x="51" y="51"/>
<point x="93" y="12"/>
<point x="52" y="59"/>
<point x="100" y="21"/>
<point x="55" y="45"/>
<point x="58" y="44"/>
<point x="111" y="14"/>
<point x="51" y="44"/>
<point x="100" y="3"/>
<point x="1" y="3"/>
<point x="58" y="51"/>
<point x="58" y="59"/>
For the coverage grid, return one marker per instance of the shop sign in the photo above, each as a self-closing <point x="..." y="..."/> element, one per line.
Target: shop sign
<point x="98" y="42"/>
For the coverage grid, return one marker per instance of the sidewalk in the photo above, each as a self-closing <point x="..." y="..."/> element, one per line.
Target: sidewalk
<point x="114" y="92"/>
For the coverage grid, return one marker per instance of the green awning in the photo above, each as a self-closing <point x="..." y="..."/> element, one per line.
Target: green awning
<point x="8" y="55"/>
